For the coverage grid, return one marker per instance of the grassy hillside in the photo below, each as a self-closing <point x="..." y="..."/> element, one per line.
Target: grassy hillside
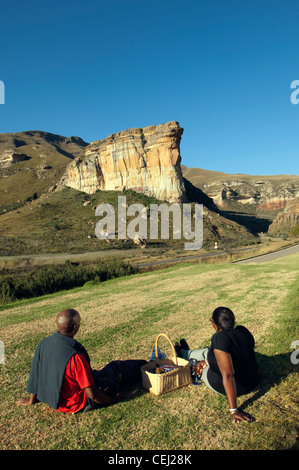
<point x="121" y="319"/>
<point x="47" y="157"/>
<point x="62" y="222"/>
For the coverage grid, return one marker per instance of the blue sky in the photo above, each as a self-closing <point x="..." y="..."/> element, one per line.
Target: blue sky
<point x="222" y="69"/>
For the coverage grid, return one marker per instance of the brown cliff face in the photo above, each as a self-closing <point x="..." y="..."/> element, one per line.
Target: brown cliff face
<point x="145" y="160"/>
<point x="286" y="219"/>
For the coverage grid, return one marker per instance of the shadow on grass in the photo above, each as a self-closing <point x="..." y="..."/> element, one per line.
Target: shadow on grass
<point x="118" y="379"/>
<point x="273" y="370"/>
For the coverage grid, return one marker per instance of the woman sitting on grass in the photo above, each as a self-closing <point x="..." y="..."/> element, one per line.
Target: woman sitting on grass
<point x="229" y="365"/>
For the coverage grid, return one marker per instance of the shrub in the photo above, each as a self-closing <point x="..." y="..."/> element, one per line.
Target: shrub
<point x="294" y="232"/>
<point x="54" y="278"/>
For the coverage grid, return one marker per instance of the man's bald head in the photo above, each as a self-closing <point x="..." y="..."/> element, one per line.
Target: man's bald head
<point x="68" y="322"/>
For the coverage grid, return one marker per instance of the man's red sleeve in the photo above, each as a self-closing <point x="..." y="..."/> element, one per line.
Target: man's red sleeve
<point x="80" y="370"/>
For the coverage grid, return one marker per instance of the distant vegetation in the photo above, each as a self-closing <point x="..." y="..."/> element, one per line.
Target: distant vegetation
<point x="49" y="279"/>
<point x="294" y="232"/>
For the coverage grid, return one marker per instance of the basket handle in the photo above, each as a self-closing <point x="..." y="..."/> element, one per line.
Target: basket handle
<point x="172" y="347"/>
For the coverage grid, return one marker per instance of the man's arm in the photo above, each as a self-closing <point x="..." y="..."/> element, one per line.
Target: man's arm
<point x="31" y="400"/>
<point x="99" y="397"/>
<point x="82" y="373"/>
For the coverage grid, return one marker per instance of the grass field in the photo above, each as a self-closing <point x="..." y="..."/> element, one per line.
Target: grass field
<point x="120" y="319"/>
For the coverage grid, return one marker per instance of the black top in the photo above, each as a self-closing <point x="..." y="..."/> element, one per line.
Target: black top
<point x="48" y="366"/>
<point x="239" y="343"/>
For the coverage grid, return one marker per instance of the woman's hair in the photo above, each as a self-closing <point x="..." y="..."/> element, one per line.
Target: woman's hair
<point x="224" y="318"/>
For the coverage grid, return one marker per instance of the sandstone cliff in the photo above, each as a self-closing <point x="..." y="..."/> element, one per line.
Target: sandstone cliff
<point x="146" y="160"/>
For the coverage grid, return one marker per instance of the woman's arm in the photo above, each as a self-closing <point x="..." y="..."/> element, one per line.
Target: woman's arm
<point x="226" y="368"/>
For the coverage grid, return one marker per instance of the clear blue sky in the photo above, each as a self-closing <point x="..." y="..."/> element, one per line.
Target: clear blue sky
<point x="221" y="68"/>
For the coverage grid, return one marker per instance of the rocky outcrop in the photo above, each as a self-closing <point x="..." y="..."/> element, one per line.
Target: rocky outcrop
<point x="145" y="160"/>
<point x="286" y="219"/>
<point x="266" y="195"/>
<point x="264" y="192"/>
<point x="9" y="157"/>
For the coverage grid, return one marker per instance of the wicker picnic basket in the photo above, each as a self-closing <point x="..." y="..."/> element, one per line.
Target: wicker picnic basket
<point x="157" y="384"/>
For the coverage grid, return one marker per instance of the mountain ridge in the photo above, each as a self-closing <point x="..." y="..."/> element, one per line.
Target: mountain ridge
<point x="30" y="182"/>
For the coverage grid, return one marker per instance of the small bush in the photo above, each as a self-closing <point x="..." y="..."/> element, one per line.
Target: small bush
<point x="294" y="232"/>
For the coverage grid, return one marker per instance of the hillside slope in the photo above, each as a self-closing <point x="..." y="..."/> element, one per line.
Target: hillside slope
<point x="44" y="157"/>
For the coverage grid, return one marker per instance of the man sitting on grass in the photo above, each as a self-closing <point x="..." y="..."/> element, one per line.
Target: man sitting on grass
<point x="61" y="375"/>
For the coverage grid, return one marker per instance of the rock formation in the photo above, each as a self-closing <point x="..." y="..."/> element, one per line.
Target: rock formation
<point x="286" y="219"/>
<point x="264" y="192"/>
<point x="267" y="195"/>
<point x="9" y="157"/>
<point x="145" y="160"/>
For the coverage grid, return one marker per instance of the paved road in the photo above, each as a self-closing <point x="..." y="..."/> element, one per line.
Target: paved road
<point x="270" y="256"/>
<point x="187" y="258"/>
<point x="256" y="259"/>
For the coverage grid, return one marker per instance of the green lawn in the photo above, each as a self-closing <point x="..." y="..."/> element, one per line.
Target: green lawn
<point x="121" y="319"/>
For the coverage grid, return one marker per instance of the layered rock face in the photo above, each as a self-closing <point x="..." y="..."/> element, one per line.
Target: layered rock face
<point x="269" y="193"/>
<point x="264" y="194"/>
<point x="286" y="219"/>
<point x="145" y="160"/>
